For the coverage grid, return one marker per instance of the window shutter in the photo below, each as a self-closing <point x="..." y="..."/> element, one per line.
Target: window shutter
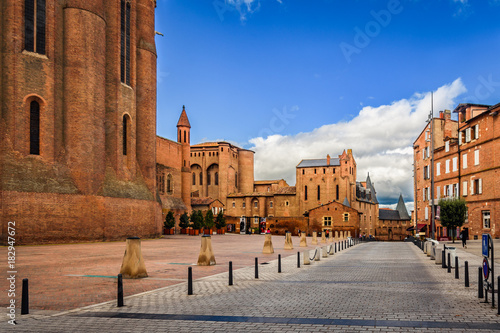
<point x="456" y="190"/>
<point x="438" y="192"/>
<point x="467" y="135"/>
<point x="472" y="187"/>
<point x="426" y="213"/>
<point x="438" y="169"/>
<point x="480" y="187"/>
<point x="476" y="157"/>
<point x="40" y="26"/>
<point x="465" y="161"/>
<point x="464" y="189"/>
<point x="459" y="138"/>
<point x="428" y="193"/>
<point x="476" y="131"/>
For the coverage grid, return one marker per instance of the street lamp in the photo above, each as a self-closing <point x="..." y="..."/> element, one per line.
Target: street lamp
<point x="430" y="120"/>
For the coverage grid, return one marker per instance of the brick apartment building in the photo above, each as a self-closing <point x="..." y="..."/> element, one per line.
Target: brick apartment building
<point x="466" y="164"/>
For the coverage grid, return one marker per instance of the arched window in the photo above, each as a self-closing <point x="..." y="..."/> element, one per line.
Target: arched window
<point x="216" y="180"/>
<point x="169" y="184"/>
<point x="34" y="26"/>
<point x="34" y="128"/>
<point x="125" y="42"/>
<point x="194" y="178"/>
<point x="208" y="178"/>
<point x="201" y="178"/>
<point x="125" y="125"/>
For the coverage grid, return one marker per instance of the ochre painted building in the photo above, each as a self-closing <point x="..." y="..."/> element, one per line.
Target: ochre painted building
<point x="78" y="120"/>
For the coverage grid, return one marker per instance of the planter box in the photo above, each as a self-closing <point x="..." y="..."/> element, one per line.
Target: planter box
<point x="183" y="231"/>
<point x="221" y="231"/>
<point x="168" y="231"/>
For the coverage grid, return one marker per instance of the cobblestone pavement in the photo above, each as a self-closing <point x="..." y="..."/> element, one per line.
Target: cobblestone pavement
<point x="382" y="287"/>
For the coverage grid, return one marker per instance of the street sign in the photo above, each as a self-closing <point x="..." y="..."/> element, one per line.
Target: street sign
<point x="486" y="248"/>
<point x="486" y="268"/>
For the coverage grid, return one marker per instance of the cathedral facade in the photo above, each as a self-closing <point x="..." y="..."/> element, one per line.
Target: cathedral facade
<point x="78" y="120"/>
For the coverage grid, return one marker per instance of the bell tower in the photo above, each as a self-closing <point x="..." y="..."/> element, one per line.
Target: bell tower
<point x="184" y="138"/>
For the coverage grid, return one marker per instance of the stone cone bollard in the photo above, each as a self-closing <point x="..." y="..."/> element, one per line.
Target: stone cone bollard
<point x="324" y="254"/>
<point x="330" y="250"/>
<point x="206" y="257"/>
<point x="288" y="241"/>
<point x="303" y="239"/>
<point x="315" y="238"/>
<point x="268" y="245"/>
<point x="317" y="254"/>
<point x="307" y="261"/>
<point x="336" y="236"/>
<point x="330" y="237"/>
<point x="133" y="266"/>
<point x="348" y="234"/>
<point x="323" y="237"/>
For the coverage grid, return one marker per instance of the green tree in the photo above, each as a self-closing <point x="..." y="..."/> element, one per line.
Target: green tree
<point x="220" y="220"/>
<point x="209" y="219"/>
<point x="184" y="221"/>
<point x="169" y="220"/>
<point x="197" y="219"/>
<point x="452" y="213"/>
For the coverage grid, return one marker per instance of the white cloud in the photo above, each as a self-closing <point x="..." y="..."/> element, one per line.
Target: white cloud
<point x="381" y="138"/>
<point x="245" y="7"/>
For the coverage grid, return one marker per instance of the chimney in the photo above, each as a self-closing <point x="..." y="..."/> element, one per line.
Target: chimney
<point x="447" y="114"/>
<point x="441" y="115"/>
<point x="328" y="159"/>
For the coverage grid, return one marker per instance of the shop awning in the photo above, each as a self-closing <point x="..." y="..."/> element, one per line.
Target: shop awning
<point x="422" y="226"/>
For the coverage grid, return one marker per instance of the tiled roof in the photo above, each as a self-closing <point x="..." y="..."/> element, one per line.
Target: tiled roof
<point x="286" y="190"/>
<point x="203" y="201"/>
<point x="263" y="182"/>
<point x="183" y="119"/>
<point x="388" y="214"/>
<point x="173" y="203"/>
<point x="318" y="163"/>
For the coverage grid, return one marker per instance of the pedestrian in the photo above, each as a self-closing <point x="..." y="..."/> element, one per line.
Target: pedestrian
<point x="326" y="233"/>
<point x="464" y="235"/>
<point x="268" y="231"/>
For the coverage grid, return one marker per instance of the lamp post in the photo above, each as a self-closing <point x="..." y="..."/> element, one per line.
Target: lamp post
<point x="430" y="120"/>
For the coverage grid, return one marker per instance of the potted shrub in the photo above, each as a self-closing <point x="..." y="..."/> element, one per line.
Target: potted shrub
<point x="184" y="223"/>
<point x="209" y="222"/>
<point x="220" y="223"/>
<point x="169" y="223"/>
<point x="197" y="220"/>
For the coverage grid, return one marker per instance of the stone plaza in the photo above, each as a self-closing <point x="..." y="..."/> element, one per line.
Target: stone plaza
<point x="373" y="286"/>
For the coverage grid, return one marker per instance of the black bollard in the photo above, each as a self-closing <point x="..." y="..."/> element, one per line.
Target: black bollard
<point x="279" y="263"/>
<point x="298" y="259"/>
<point x="456" y="268"/>
<point x="230" y="273"/>
<point x="335" y="247"/>
<point x="443" y="259"/>
<point x="25" y="301"/>
<point x="256" y="267"/>
<point x="466" y="274"/>
<point x="120" y="290"/>
<point x="480" y="293"/>
<point x="449" y="262"/>
<point x="190" y="280"/>
<point x="498" y="286"/>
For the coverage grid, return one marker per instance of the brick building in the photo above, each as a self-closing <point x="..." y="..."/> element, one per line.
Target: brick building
<point x="78" y="120"/>
<point x="393" y="223"/>
<point x="466" y="164"/>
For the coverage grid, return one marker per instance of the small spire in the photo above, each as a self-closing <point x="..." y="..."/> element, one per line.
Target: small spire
<point x="183" y="119"/>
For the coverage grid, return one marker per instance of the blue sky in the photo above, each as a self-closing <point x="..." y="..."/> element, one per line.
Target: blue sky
<point x="299" y="79"/>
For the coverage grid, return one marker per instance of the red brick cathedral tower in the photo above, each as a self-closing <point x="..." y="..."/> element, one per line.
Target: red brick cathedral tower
<point x="78" y="119"/>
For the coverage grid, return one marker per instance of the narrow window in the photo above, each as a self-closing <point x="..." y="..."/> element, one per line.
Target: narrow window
<point x="34" y="26"/>
<point x="185" y="137"/>
<point x="169" y="184"/>
<point x="333" y="170"/>
<point x="256" y="204"/>
<point x="201" y="178"/>
<point x="194" y="178"/>
<point x="319" y="193"/>
<point x="303" y="171"/>
<point x="486" y="219"/>
<point x="34" y="128"/>
<point x="216" y="180"/>
<point x="236" y="179"/>
<point x="271" y="204"/>
<point x="305" y="193"/>
<point x="337" y="190"/>
<point x="234" y="204"/>
<point x="208" y="178"/>
<point x="124" y="138"/>
<point x="125" y="42"/>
